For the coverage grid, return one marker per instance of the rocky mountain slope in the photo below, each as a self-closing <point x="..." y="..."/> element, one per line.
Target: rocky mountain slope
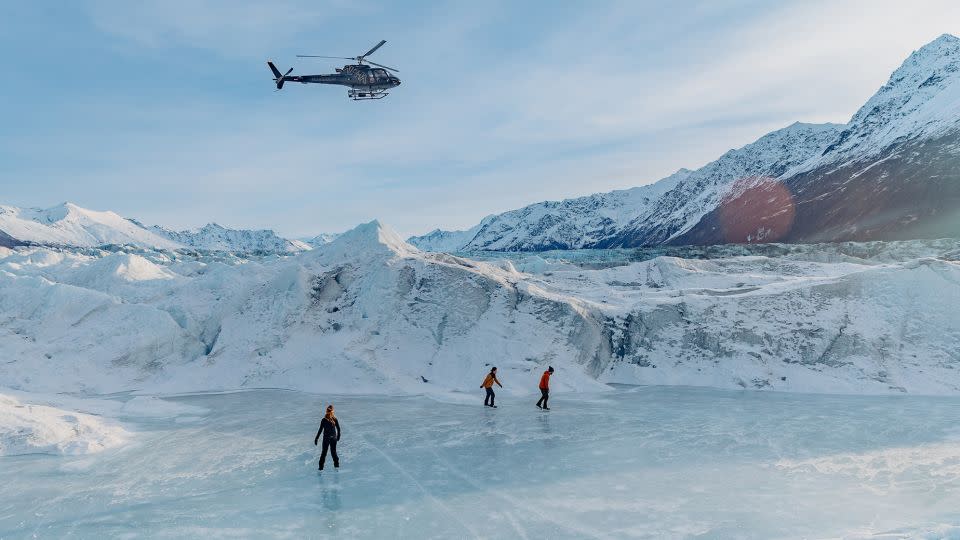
<point x="892" y="172"/>
<point x="570" y="224"/>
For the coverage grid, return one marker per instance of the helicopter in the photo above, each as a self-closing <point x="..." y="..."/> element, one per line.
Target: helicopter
<point x="365" y="82"/>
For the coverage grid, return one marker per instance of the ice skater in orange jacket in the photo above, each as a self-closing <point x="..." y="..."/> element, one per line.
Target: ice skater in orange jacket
<point x="545" y="389"/>
<point x="488" y="384"/>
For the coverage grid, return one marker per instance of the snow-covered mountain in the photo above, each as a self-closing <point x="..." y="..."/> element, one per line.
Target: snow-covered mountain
<point x="569" y="224"/>
<point x="320" y="239"/>
<point x="214" y="237"/>
<point x="645" y="215"/>
<point x="448" y="241"/>
<point x="683" y="206"/>
<point x="892" y="172"/>
<point x="70" y="225"/>
<point x="920" y="101"/>
<point x="369" y="313"/>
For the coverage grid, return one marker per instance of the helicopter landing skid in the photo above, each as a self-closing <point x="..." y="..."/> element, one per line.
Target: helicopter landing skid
<point x="358" y="95"/>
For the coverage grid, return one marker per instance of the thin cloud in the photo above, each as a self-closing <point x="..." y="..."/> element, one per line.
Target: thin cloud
<point x="229" y="27"/>
<point x="497" y="109"/>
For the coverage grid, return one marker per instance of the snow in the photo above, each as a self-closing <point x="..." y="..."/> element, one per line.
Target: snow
<point x="633" y="463"/>
<point x="70" y="225"/>
<point x="920" y="101"/>
<point x="320" y="239"/>
<point x="214" y="237"/>
<point x="567" y="224"/>
<point x="30" y="429"/>
<point x="448" y="241"/>
<point x="369" y="313"/>
<point x="646" y="215"/>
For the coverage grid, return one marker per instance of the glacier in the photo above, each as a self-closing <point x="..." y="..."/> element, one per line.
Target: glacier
<point x="369" y="313"/>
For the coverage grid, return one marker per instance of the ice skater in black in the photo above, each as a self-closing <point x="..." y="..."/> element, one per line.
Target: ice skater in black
<point x="330" y="429"/>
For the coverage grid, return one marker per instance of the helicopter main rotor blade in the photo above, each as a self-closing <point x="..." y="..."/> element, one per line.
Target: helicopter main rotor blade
<point x="375" y="47"/>
<point x="316" y="56"/>
<point x="381" y="65"/>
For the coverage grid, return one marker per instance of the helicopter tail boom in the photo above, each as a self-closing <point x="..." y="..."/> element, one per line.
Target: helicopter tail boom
<point x="278" y="77"/>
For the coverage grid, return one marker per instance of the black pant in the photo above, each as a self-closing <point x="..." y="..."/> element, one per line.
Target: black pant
<point x="490" y="396"/>
<point x="545" y="395"/>
<point x="332" y="445"/>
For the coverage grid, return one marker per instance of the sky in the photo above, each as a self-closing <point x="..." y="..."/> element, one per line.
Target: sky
<point x="165" y="111"/>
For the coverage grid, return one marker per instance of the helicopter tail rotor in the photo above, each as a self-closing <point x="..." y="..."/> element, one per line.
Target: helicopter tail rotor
<point x="278" y="77"/>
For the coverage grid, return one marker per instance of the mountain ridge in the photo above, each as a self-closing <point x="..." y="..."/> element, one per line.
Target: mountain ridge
<point x="70" y="225"/>
<point x="215" y="237"/>
<point x="919" y="102"/>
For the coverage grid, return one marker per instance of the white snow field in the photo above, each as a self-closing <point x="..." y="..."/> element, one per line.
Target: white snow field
<point x="636" y="462"/>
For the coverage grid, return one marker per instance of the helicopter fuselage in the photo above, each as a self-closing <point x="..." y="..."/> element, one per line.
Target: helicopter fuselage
<point x="359" y="77"/>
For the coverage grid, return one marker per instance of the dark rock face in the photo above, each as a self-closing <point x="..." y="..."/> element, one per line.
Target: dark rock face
<point x="770" y="156"/>
<point x="911" y="190"/>
<point x="8" y="241"/>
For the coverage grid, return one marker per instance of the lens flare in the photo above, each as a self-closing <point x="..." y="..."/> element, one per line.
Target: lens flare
<point x="757" y="209"/>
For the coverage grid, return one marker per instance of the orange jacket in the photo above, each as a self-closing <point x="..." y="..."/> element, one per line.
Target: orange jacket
<point x="545" y="380"/>
<point x="488" y="382"/>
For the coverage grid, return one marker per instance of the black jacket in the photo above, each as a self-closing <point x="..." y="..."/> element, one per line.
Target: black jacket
<point x="329" y="430"/>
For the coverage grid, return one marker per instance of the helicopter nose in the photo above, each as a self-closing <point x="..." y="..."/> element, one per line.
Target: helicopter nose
<point x="396" y="81"/>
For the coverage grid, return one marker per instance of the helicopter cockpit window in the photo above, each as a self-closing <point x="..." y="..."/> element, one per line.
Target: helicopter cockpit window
<point x="380" y="73"/>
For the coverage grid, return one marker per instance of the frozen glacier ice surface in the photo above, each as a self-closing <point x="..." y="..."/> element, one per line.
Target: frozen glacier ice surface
<point x="640" y="462"/>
